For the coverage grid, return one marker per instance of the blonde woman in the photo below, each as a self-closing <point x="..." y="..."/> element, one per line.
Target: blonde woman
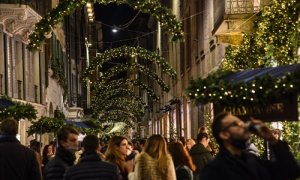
<point x="116" y="154"/>
<point x="154" y="162"/>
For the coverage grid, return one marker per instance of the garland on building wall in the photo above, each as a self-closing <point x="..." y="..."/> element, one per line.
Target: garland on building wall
<point x="58" y="74"/>
<point x="19" y="111"/>
<point x="164" y="15"/>
<point x="275" y="41"/>
<point x="140" y="52"/>
<point x="261" y="91"/>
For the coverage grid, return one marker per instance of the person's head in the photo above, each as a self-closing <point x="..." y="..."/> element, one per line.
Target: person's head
<point x="9" y="127"/>
<point x="142" y="143"/>
<point x="182" y="140"/>
<point x="180" y="155"/>
<point x="35" y="145"/>
<point x="48" y="150"/>
<point x="190" y="143"/>
<point x="229" y="129"/>
<point x="203" y="129"/>
<point x="67" y="138"/>
<point x="90" y="143"/>
<point x="129" y="148"/>
<point x="116" y="151"/>
<point x="276" y="133"/>
<point x="156" y="146"/>
<point x="203" y="139"/>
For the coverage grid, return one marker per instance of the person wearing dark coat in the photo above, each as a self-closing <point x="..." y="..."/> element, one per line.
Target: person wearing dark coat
<point x="200" y="154"/>
<point x="64" y="158"/>
<point x="91" y="166"/>
<point x="17" y="162"/>
<point x="234" y="162"/>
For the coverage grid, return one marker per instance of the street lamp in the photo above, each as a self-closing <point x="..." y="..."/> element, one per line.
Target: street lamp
<point x="88" y="95"/>
<point x="115" y="29"/>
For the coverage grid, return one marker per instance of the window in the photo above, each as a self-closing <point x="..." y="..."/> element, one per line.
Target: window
<point x="19" y="89"/>
<point x="1" y="83"/>
<point x="189" y="39"/>
<point x="182" y="51"/>
<point x="35" y="93"/>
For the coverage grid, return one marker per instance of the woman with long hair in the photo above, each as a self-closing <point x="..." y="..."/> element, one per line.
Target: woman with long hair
<point x="154" y="162"/>
<point x="116" y="153"/>
<point x="182" y="160"/>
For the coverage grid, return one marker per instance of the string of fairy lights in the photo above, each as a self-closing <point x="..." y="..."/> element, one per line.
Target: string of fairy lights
<point x="164" y="15"/>
<point x="273" y="42"/>
<point x="132" y="52"/>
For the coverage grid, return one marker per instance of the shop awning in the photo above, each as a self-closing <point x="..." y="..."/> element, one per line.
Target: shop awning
<point x="250" y="75"/>
<point x="4" y="103"/>
<point x="77" y="123"/>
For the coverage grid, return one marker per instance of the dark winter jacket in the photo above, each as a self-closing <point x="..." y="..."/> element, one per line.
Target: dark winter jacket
<point x="250" y="167"/>
<point x="17" y="162"/>
<point x="200" y="156"/>
<point x="56" y="167"/>
<point x="92" y="167"/>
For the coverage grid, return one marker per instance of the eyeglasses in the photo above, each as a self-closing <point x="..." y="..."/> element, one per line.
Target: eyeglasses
<point x="233" y="124"/>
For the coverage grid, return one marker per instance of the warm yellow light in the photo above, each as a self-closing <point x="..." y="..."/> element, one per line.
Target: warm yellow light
<point x="89" y="5"/>
<point x="89" y="10"/>
<point x="90" y="14"/>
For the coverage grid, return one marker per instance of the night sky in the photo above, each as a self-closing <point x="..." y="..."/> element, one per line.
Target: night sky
<point x="118" y="15"/>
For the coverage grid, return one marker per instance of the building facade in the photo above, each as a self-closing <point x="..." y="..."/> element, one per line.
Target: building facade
<point x="49" y="78"/>
<point x="209" y="26"/>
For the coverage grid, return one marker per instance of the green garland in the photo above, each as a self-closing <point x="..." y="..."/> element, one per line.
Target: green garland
<point x="118" y="116"/>
<point x="58" y="74"/>
<point x="124" y="67"/>
<point x="51" y="125"/>
<point x="132" y="52"/>
<point x="261" y="91"/>
<point x="45" y="125"/>
<point x="276" y="39"/>
<point x="120" y="103"/>
<point x="19" y="111"/>
<point x="164" y="15"/>
<point x="116" y="93"/>
<point x="105" y="86"/>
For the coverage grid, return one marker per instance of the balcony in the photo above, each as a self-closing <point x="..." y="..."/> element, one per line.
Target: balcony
<point x="17" y="19"/>
<point x="233" y="17"/>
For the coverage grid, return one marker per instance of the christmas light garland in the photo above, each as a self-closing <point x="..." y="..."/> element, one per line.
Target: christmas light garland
<point x="104" y="86"/>
<point x="164" y="15"/>
<point x="116" y="93"/>
<point x="261" y="91"/>
<point x="120" y="103"/>
<point x="275" y="40"/>
<point x="118" y="116"/>
<point x="106" y="76"/>
<point x="131" y="52"/>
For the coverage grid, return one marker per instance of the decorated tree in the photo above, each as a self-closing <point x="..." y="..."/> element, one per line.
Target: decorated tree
<point x="114" y="99"/>
<point x="275" y="41"/>
<point x="19" y="111"/>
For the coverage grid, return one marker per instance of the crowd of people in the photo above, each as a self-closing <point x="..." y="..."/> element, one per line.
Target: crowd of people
<point x="155" y="158"/>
